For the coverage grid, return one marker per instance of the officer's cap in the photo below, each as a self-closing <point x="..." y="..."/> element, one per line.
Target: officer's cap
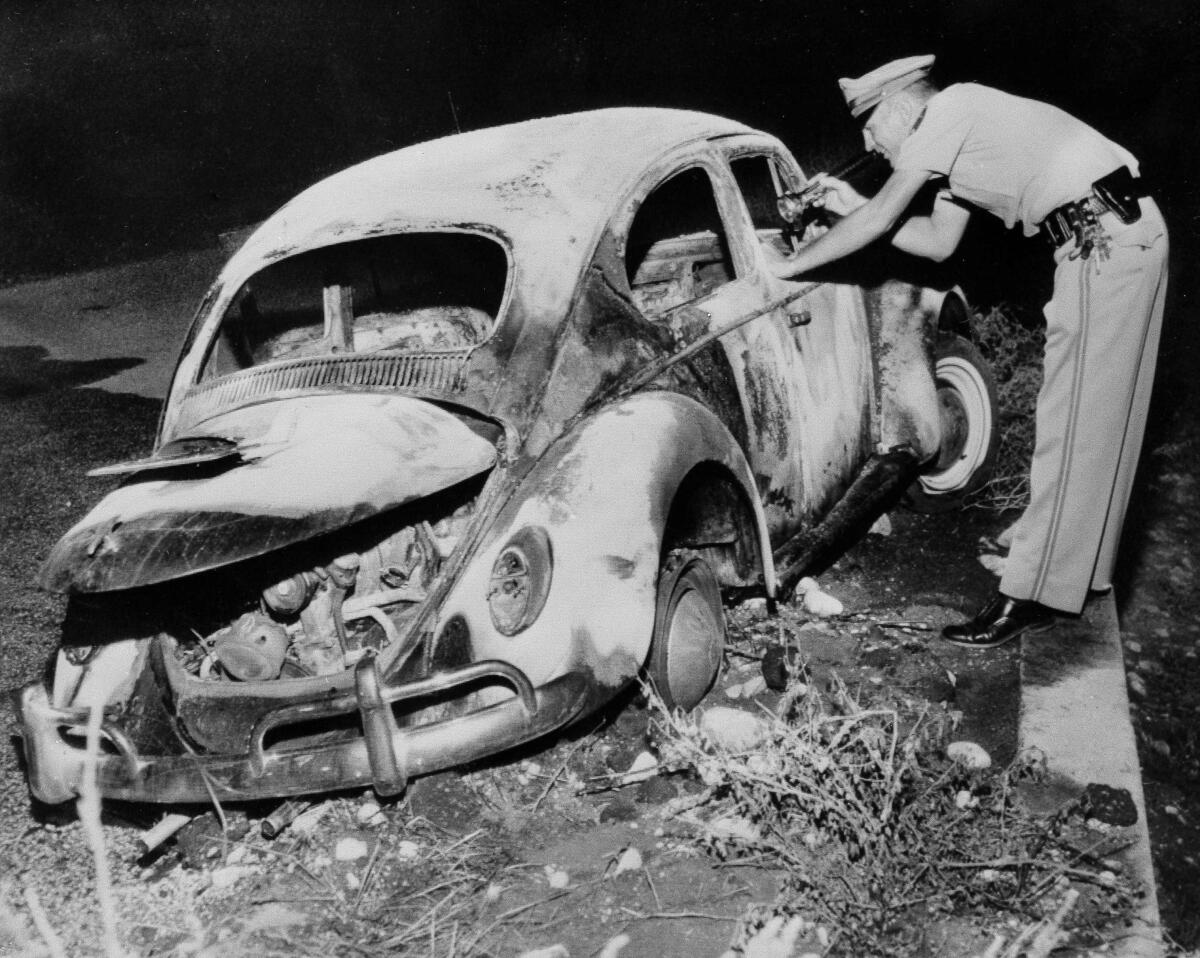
<point x="866" y="92"/>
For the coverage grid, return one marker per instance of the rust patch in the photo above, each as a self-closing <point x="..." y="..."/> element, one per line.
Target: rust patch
<point x="907" y="395"/>
<point x="769" y="408"/>
<point x="609" y="671"/>
<point x="620" y="567"/>
<point x="529" y="183"/>
<point x="617" y="669"/>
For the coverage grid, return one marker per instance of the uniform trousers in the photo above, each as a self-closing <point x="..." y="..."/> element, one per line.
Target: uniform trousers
<point x="1102" y="333"/>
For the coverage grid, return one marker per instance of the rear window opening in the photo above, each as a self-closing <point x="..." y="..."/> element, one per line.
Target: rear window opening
<point x="407" y="293"/>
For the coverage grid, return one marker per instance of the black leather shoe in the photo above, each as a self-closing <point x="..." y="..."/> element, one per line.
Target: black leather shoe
<point x="999" y="621"/>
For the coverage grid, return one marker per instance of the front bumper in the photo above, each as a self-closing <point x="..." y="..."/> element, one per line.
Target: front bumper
<point x="385" y="756"/>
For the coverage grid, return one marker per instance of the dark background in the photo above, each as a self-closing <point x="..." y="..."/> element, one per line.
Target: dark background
<point x="129" y="128"/>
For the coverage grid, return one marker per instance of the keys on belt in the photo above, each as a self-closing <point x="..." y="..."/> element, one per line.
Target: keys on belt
<point x="1118" y="193"/>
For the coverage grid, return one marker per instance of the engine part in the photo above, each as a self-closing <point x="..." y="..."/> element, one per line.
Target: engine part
<point x="289" y="596"/>
<point x="153" y="837"/>
<point x="283" y="816"/>
<point x="252" y="649"/>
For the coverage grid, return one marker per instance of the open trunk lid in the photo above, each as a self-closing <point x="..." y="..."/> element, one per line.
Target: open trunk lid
<point x="262" y="477"/>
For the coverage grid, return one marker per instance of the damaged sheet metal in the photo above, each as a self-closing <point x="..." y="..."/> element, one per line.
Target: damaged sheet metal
<point x="307" y="466"/>
<point x="903" y="320"/>
<point x="455" y="436"/>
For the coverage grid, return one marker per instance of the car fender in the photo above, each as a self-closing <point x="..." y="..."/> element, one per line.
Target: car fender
<point x="602" y="493"/>
<point x="106" y="677"/>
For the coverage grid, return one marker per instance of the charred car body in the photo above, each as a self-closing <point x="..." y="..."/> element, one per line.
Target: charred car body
<point x="464" y="439"/>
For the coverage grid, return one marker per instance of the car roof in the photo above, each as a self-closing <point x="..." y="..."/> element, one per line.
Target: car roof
<point x="548" y="185"/>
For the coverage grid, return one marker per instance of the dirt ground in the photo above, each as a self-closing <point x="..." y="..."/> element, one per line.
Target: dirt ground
<point x="561" y="844"/>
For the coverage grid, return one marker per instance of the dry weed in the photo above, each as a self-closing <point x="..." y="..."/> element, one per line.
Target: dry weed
<point x="880" y="835"/>
<point x="1012" y="341"/>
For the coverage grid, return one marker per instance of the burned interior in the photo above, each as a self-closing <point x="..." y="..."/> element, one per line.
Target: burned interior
<point x="677" y="251"/>
<point x="412" y="291"/>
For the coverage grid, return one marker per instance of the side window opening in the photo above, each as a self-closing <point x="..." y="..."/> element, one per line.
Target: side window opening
<point x="677" y="251"/>
<point x="405" y="293"/>
<point x="759" y="183"/>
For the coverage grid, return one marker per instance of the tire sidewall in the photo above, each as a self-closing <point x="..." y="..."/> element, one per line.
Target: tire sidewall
<point x="681" y="575"/>
<point x="920" y="496"/>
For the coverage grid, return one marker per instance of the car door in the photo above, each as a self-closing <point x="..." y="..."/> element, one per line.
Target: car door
<point x="692" y="265"/>
<point x="823" y="339"/>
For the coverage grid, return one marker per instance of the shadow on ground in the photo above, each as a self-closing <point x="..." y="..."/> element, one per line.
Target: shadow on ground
<point x="28" y="370"/>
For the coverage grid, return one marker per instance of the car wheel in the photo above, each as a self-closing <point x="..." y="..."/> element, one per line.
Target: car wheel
<point x="970" y="427"/>
<point x="689" y="632"/>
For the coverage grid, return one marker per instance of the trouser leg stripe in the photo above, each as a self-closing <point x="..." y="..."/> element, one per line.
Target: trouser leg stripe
<point x="1068" y="451"/>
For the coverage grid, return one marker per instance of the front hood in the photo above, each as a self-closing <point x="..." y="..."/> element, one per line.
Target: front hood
<point x="303" y="467"/>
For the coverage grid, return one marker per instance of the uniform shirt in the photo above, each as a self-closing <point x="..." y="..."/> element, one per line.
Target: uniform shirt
<point x="1011" y="156"/>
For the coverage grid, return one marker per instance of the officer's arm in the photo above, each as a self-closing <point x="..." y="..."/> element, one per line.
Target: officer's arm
<point x="937" y="235"/>
<point x="875" y="218"/>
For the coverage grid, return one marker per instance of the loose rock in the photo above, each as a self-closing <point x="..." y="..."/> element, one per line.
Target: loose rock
<point x="732" y="728"/>
<point x="618" y="810"/>
<point x="816" y="601"/>
<point x="755" y="607"/>
<point x="614" y="946"/>
<point x="369" y="814"/>
<point x="307" y="823"/>
<point x="552" y="951"/>
<point x="350" y="849"/>
<point x="628" y="861"/>
<point x="644" y="766"/>
<point x="230" y="875"/>
<point x="777" y="666"/>
<point x="970" y="754"/>
<point x="557" y="877"/>
<point x="1112" y="806"/>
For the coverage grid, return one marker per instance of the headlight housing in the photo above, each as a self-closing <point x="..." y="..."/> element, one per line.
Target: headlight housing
<point x="520" y="580"/>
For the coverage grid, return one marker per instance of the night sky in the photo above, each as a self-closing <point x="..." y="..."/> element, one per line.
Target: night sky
<point x="127" y="128"/>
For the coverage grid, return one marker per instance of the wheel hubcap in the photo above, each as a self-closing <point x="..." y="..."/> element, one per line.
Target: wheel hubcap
<point x="966" y="425"/>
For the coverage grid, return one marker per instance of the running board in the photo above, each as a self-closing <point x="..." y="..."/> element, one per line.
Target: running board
<point x="882" y="477"/>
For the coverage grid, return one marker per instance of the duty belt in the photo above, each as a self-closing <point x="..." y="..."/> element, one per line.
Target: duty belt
<point x="1118" y="193"/>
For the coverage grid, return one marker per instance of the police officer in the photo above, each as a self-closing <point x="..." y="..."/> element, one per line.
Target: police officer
<point x="1029" y="163"/>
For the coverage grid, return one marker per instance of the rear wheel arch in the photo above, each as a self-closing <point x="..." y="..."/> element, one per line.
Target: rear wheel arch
<point x="712" y="517"/>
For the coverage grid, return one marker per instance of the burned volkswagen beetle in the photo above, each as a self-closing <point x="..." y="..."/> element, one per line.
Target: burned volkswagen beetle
<point x="466" y="438"/>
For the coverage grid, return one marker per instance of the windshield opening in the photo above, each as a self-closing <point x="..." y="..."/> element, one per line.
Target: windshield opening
<point x="406" y="293"/>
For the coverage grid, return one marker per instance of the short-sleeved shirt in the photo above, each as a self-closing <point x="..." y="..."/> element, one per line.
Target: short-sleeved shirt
<point x="1015" y="157"/>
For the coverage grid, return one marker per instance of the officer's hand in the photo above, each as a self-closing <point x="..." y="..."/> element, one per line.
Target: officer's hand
<point x="839" y="198"/>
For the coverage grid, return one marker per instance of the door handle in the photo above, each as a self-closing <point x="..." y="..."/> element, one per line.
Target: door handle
<point x="799" y="318"/>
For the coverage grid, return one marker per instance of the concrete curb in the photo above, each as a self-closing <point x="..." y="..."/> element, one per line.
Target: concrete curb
<point x="1075" y="708"/>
